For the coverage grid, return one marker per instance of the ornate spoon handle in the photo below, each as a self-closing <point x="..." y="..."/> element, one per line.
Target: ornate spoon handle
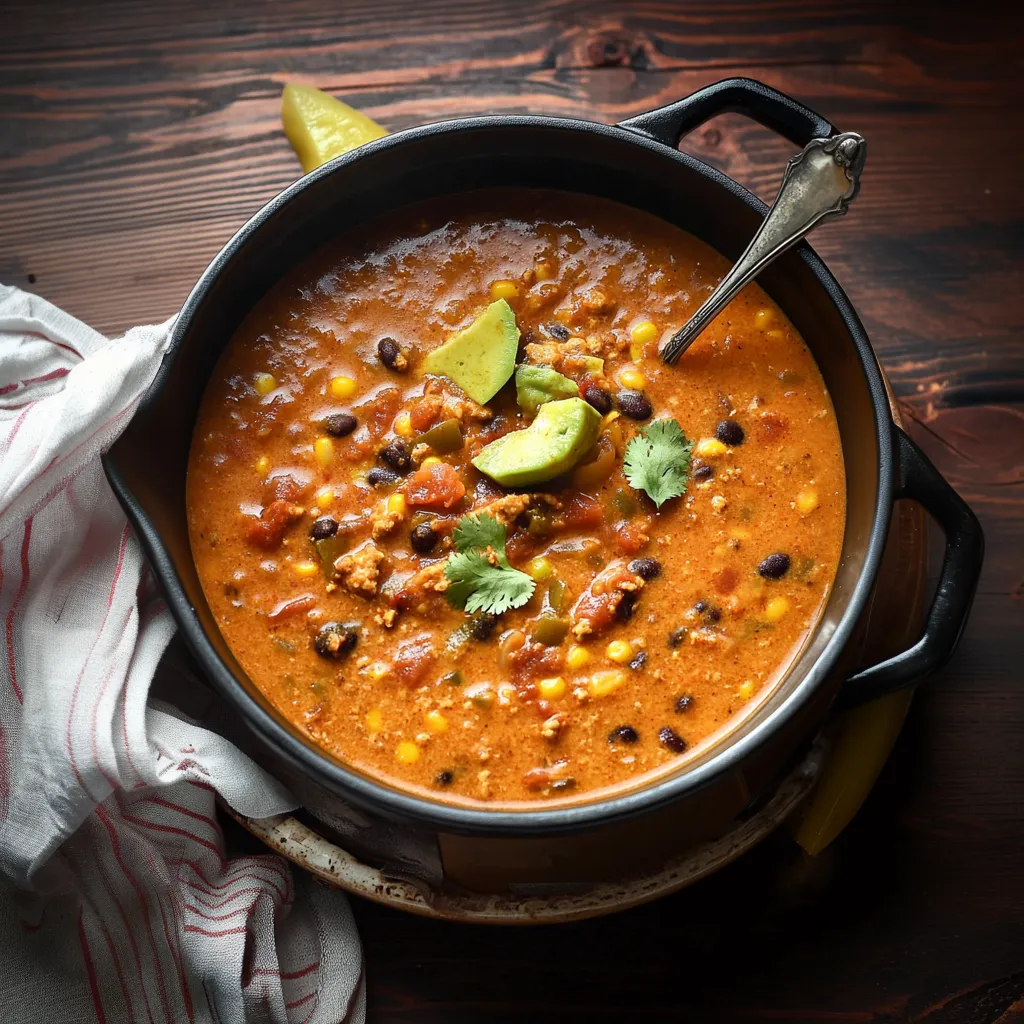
<point x="819" y="183"/>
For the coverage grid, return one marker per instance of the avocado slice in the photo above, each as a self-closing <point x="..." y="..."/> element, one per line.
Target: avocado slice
<point x="536" y="385"/>
<point x="482" y="357"/>
<point x="552" y="444"/>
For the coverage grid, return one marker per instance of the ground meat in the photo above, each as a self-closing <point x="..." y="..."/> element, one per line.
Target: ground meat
<point x="359" y="570"/>
<point x="509" y="507"/>
<point x="383" y="520"/>
<point x="465" y="410"/>
<point x="596" y="607"/>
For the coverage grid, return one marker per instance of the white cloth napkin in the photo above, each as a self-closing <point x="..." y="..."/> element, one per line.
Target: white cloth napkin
<point x="117" y="902"/>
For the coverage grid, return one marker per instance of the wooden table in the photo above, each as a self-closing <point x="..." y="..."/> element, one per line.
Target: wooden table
<point x="136" y="137"/>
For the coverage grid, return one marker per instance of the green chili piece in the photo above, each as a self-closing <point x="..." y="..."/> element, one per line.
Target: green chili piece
<point x="549" y="630"/>
<point x="444" y="438"/>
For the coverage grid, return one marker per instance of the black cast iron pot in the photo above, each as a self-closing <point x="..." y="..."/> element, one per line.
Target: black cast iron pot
<point x="636" y="163"/>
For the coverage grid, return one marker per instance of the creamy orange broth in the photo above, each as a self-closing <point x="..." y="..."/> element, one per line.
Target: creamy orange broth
<point x="499" y="717"/>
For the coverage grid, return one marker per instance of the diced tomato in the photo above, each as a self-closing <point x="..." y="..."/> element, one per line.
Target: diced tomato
<point x="580" y="512"/>
<point x="629" y="537"/>
<point x="725" y="580"/>
<point x="520" y="545"/>
<point x="293" y="606"/>
<point x="414" y="659"/>
<point x="424" y="412"/>
<point x="772" y="426"/>
<point x="534" y="661"/>
<point x="379" y="413"/>
<point x="283" y="488"/>
<point x="599" y="603"/>
<point x="436" y="486"/>
<point x="269" y="530"/>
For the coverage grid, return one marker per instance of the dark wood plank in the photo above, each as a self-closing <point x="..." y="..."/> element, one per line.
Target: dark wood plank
<point x="135" y="137"/>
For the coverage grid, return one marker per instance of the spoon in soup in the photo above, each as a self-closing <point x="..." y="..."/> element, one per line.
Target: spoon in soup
<point x="820" y="183"/>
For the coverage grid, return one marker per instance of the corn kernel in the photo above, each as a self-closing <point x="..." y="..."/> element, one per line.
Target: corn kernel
<point x="435" y="721"/>
<point x="324" y="498"/>
<point x="551" y="689"/>
<point x="407" y="752"/>
<point x="375" y="719"/>
<point x="746" y="689"/>
<point x="504" y="290"/>
<point x="396" y="504"/>
<point x="630" y="377"/>
<point x="323" y="451"/>
<point x="343" y="387"/>
<point x="775" y="335"/>
<point x="263" y="465"/>
<point x="762" y="318"/>
<point x="609" y="418"/>
<point x="539" y="568"/>
<point x="430" y="460"/>
<point x="619" y="651"/>
<point x="544" y="270"/>
<point x="776" y="608"/>
<point x="601" y="684"/>
<point x="643" y="332"/>
<point x="305" y="568"/>
<point x="264" y="383"/>
<point x="403" y="425"/>
<point x="378" y="671"/>
<point x="806" y="502"/>
<point x="577" y="657"/>
<point x="708" y="447"/>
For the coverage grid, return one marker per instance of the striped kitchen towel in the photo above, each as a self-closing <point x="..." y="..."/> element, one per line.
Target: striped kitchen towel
<point x="117" y="899"/>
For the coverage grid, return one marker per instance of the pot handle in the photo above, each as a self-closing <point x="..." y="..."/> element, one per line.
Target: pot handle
<point x="756" y="100"/>
<point x="961" y="566"/>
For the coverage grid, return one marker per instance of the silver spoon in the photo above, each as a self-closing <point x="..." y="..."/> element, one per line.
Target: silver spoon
<point x="820" y="183"/>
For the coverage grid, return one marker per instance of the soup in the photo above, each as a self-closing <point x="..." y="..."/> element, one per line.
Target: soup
<point x="464" y="529"/>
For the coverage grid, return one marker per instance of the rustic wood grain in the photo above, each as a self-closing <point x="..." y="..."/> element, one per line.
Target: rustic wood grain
<point x="136" y="137"/>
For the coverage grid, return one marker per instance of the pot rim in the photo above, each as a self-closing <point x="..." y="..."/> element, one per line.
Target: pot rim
<point x="379" y="798"/>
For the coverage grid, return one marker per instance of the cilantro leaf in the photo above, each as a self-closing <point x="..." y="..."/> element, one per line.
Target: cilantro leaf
<point x="474" y="583"/>
<point x="481" y="531"/>
<point x="657" y="461"/>
<point x="477" y="586"/>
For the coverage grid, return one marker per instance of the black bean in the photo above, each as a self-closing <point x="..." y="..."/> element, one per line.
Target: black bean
<point x="423" y="538"/>
<point x="645" y="568"/>
<point x="684" y="704"/>
<point x="562" y="784"/>
<point x="624" y="609"/>
<point x="709" y="612"/>
<point x="391" y="355"/>
<point x="730" y="432"/>
<point x="340" y="424"/>
<point x="702" y="472"/>
<point x="623" y="734"/>
<point x="634" y="404"/>
<point x="483" y="626"/>
<point x="598" y="398"/>
<point x="671" y="740"/>
<point x="336" y="638"/>
<point x="444" y="778"/>
<point x="638" y="661"/>
<point x="380" y="477"/>
<point x="775" y="566"/>
<point x="397" y="456"/>
<point x="323" y="528"/>
<point x="678" y="636"/>
<point x="559" y="331"/>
